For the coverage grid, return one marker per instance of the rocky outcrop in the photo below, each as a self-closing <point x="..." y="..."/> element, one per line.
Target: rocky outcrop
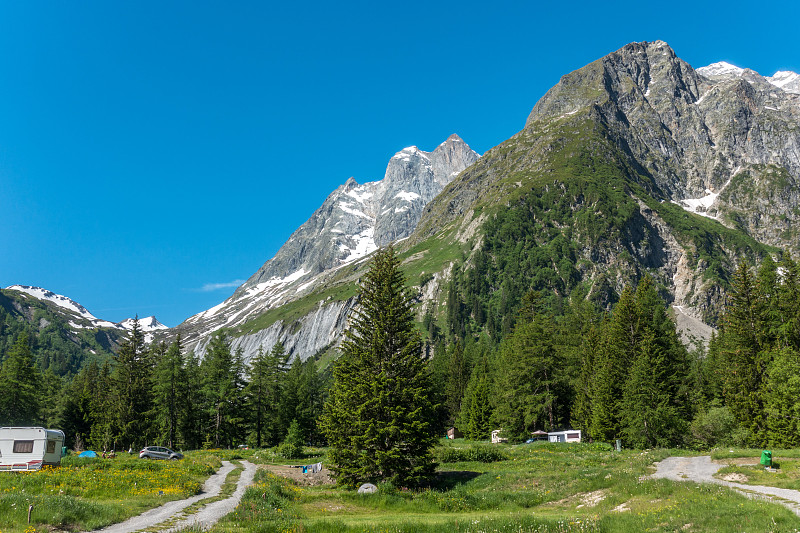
<point x="320" y="329"/>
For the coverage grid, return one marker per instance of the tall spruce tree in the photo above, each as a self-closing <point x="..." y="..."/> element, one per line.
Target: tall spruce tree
<point x="531" y="391"/>
<point x="477" y="408"/>
<point x="192" y="404"/>
<point x="378" y="416"/>
<point x="456" y="382"/>
<point x="744" y="356"/>
<point x="259" y="384"/>
<point x="131" y="396"/>
<point x="169" y="387"/>
<point x="222" y="390"/>
<point x="19" y="386"/>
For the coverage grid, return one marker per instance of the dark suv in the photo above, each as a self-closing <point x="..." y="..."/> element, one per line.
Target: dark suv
<point x="159" y="452"/>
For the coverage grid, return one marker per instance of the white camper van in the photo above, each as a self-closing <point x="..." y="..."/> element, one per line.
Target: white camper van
<point x="30" y="448"/>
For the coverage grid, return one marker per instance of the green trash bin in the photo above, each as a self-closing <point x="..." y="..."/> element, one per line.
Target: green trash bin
<point x="766" y="458"/>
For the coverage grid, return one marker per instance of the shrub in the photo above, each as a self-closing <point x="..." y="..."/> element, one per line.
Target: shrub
<point x="479" y="453"/>
<point x="715" y="427"/>
<point x="292" y="446"/>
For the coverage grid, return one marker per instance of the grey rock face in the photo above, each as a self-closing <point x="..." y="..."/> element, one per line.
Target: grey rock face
<point x="693" y="132"/>
<point x="357" y="219"/>
<point x="352" y="222"/>
<point x="694" y="139"/>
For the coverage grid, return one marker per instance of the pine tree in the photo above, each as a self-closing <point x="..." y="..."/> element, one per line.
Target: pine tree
<point x="744" y="355"/>
<point x="258" y="387"/>
<point x="531" y="391"/>
<point x="221" y="388"/>
<point x="132" y="389"/>
<point x="301" y="400"/>
<point x="649" y="417"/>
<point x="169" y="387"/>
<point x="378" y="416"/>
<point x="584" y="394"/>
<point x="292" y="445"/>
<point x="782" y="399"/>
<point x="612" y="359"/>
<point x="477" y="409"/>
<point x="19" y="386"/>
<point x="457" y="379"/>
<point x="193" y="404"/>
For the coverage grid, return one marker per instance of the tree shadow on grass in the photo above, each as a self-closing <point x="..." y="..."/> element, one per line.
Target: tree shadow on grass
<point x="450" y="479"/>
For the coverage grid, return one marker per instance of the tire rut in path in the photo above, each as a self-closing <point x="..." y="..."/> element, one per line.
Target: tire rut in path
<point x="702" y="470"/>
<point x="171" y="510"/>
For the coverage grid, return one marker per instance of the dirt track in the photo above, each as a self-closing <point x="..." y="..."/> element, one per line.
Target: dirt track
<point x="204" y="518"/>
<point x="702" y="470"/>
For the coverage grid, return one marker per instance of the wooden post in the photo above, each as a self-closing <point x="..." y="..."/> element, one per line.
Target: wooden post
<point x="30" y="509"/>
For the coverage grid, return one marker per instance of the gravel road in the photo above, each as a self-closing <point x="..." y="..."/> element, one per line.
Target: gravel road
<point x="702" y="470"/>
<point x="211" y="513"/>
<point x="205" y="517"/>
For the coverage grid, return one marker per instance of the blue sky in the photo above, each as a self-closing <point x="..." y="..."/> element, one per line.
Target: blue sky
<point x="154" y="154"/>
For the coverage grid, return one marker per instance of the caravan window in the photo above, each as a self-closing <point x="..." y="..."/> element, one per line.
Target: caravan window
<point x="51" y="446"/>
<point x="23" y="446"/>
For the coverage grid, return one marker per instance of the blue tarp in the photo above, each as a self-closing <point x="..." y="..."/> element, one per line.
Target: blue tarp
<point x="88" y="453"/>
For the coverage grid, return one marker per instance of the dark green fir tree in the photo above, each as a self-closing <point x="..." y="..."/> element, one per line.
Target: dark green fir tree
<point x="19" y="386"/>
<point x="378" y="417"/>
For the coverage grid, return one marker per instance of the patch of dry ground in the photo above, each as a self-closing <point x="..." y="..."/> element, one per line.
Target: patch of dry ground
<point x="323" y="477"/>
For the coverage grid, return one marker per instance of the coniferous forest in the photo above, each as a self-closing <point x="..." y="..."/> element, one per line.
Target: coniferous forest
<point x="551" y="362"/>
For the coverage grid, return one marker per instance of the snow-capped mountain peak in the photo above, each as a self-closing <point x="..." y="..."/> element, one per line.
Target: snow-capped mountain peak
<point x="79" y="317"/>
<point x="354" y="221"/>
<point x="719" y="69"/>
<point x="62" y="302"/>
<point x="147" y="324"/>
<point x="787" y="80"/>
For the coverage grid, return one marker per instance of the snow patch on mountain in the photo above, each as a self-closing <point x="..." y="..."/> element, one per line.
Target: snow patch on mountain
<point x="407" y="196"/>
<point x="410" y="151"/>
<point x="700" y="206"/>
<point x="360" y="194"/>
<point x="347" y="208"/>
<point x="365" y="245"/>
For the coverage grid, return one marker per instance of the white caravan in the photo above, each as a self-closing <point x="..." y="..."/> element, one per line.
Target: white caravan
<point x="570" y="435"/>
<point x="30" y="448"/>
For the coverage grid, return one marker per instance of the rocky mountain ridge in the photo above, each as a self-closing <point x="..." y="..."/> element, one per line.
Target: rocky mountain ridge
<point x="78" y="316"/>
<point x="352" y="222"/>
<point x="687" y="138"/>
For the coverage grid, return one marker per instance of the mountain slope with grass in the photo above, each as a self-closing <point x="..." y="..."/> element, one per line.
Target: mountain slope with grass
<point x="636" y="163"/>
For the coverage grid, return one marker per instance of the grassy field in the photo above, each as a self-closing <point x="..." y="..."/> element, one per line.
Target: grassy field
<point x="93" y="493"/>
<point x="538" y="488"/>
<point x="535" y="487"/>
